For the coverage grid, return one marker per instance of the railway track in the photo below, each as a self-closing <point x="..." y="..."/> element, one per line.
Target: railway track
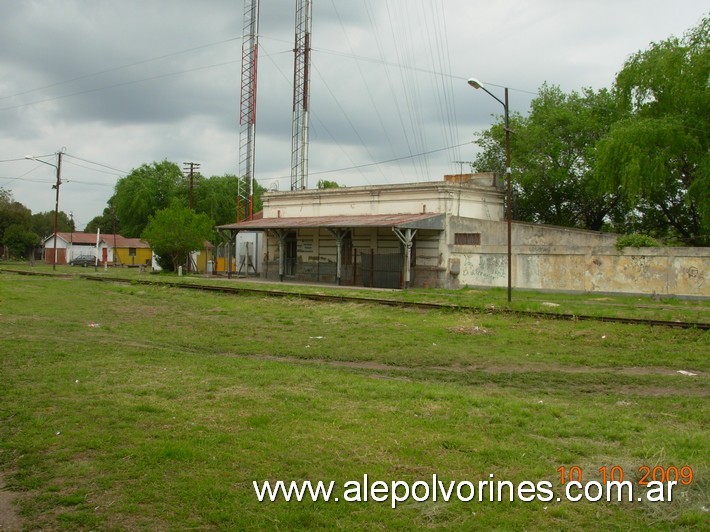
<point x="380" y="301"/>
<point x="408" y="304"/>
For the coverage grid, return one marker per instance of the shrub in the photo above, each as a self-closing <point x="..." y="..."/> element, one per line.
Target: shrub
<point x="636" y="240"/>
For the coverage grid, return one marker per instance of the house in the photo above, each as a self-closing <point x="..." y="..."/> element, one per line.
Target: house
<point x="110" y="248"/>
<point x="70" y="246"/>
<point x="450" y="234"/>
<point x="122" y="251"/>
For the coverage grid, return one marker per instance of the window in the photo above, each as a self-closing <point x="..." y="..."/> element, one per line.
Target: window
<point x="467" y="239"/>
<point x="131" y="252"/>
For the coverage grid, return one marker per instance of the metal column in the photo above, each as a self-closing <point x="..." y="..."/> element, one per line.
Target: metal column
<point x="339" y="235"/>
<point x="406" y="238"/>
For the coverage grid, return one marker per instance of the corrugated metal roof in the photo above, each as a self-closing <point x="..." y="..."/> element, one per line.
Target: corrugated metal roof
<point x="413" y="221"/>
<point x="79" y="238"/>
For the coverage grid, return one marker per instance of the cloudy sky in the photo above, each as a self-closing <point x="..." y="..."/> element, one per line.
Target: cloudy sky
<point x="120" y="83"/>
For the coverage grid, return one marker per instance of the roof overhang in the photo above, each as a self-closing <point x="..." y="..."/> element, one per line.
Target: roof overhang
<point x="432" y="221"/>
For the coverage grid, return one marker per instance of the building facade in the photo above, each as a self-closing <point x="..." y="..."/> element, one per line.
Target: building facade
<point x="451" y="234"/>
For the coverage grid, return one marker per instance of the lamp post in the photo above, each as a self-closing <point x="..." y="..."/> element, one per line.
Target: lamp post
<point x="58" y="166"/>
<point x="509" y="214"/>
<point x="71" y="236"/>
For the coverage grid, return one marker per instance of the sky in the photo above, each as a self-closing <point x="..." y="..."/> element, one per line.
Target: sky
<point x="115" y="84"/>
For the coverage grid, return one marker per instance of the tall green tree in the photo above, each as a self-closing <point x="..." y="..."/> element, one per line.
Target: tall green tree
<point x="216" y="197"/>
<point x="142" y="193"/>
<point x="12" y="212"/>
<point x="553" y="158"/>
<point x="106" y="222"/>
<point x="42" y="223"/>
<point x="20" y="241"/>
<point x="658" y="155"/>
<point x="176" y="231"/>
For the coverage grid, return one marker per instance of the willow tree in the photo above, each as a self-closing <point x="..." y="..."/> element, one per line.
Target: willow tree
<point x="658" y="154"/>
<point x="142" y="193"/>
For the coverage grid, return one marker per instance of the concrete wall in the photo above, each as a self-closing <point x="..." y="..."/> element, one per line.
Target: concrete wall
<point x="544" y="257"/>
<point x="555" y="258"/>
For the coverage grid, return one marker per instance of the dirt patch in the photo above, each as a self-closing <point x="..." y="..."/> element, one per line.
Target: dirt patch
<point x="472" y="330"/>
<point x="9" y="518"/>
<point x="488" y="368"/>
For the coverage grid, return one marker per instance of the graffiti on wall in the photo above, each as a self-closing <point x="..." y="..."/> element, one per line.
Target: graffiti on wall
<point x="696" y="279"/>
<point x="484" y="269"/>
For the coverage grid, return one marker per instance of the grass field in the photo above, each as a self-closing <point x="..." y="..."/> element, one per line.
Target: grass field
<point x="131" y="406"/>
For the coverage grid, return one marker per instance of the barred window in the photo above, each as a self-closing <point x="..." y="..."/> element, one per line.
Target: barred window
<point x="467" y="239"/>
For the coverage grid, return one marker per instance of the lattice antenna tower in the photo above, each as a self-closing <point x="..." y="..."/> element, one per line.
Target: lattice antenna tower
<point x="301" y="96"/>
<point x="247" y="108"/>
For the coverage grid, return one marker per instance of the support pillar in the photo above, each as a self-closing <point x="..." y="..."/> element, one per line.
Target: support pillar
<point x="406" y="238"/>
<point x="339" y="235"/>
<point x="281" y="234"/>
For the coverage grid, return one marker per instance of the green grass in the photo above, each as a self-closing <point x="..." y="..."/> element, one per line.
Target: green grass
<point x="162" y="415"/>
<point x="495" y="299"/>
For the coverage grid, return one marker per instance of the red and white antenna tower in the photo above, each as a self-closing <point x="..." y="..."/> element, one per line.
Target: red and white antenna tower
<point x="301" y="80"/>
<point x="247" y="108"/>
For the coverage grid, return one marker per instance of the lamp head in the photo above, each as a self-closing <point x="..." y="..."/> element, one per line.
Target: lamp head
<point x="475" y="83"/>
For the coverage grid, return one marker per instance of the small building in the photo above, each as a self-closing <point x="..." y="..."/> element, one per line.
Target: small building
<point x="122" y="251"/>
<point x="70" y="246"/>
<point x="451" y="234"/>
<point x="385" y="236"/>
<point x="111" y="248"/>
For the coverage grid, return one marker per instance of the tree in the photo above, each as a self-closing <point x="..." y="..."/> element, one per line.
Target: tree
<point x="106" y="222"/>
<point x="658" y="155"/>
<point x="142" y="193"/>
<point x="20" y="241"/>
<point x="12" y="213"/>
<point x="324" y="183"/>
<point x="176" y="231"/>
<point x="42" y="223"/>
<point x="553" y="158"/>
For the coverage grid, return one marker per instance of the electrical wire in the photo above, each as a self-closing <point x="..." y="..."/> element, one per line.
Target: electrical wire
<point x="121" y="84"/>
<point x="95" y="163"/>
<point x="121" y="67"/>
<point x="365" y="165"/>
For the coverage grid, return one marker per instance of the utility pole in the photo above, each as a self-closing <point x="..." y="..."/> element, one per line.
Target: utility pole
<point x="461" y="163"/>
<point x="58" y="166"/>
<point x="190" y="169"/>
<point x="71" y="237"/>
<point x="56" y="206"/>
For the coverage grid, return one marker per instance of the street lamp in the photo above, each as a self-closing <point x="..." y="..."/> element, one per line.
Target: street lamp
<point x="509" y="215"/>
<point x="58" y="166"/>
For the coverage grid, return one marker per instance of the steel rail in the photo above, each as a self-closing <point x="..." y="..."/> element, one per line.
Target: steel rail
<point x="408" y="304"/>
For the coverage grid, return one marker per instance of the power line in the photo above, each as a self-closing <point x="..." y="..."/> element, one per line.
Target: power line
<point x="121" y="67"/>
<point x="95" y="163"/>
<point x="122" y="84"/>
<point x="94" y="169"/>
<point x="365" y="165"/>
